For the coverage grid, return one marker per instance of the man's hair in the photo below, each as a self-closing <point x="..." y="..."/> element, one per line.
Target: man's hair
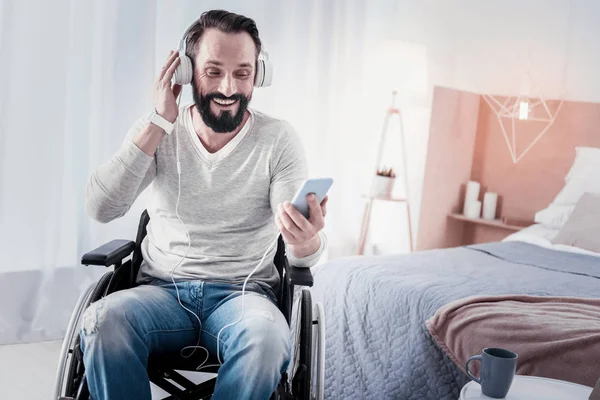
<point x="224" y="21"/>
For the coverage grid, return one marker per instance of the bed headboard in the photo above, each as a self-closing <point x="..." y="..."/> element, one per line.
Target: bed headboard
<point x="524" y="188"/>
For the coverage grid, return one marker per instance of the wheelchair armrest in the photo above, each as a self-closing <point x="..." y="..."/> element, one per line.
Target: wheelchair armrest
<point x="297" y="276"/>
<point x="109" y="253"/>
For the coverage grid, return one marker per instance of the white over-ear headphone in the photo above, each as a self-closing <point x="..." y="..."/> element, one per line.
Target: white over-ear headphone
<point x="184" y="71"/>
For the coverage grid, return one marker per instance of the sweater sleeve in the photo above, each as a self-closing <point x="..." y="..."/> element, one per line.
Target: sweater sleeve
<point x="115" y="185"/>
<point x="289" y="171"/>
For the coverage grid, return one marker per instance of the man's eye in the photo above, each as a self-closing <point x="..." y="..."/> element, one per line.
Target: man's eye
<point x="213" y="72"/>
<point x="244" y="74"/>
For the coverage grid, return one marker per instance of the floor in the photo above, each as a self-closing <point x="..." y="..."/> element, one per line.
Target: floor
<point x="28" y="371"/>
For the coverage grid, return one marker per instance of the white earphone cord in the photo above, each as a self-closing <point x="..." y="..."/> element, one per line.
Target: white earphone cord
<point x="197" y="346"/>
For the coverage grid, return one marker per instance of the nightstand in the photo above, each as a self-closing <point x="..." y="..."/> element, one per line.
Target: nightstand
<point x="532" y="388"/>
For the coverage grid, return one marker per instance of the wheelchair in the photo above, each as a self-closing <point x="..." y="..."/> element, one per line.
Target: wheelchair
<point x="303" y="380"/>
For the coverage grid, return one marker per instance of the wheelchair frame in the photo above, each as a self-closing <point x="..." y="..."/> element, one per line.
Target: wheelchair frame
<point x="74" y="384"/>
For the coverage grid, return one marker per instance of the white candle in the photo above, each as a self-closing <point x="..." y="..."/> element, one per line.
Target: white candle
<point x="490" y="200"/>
<point x="471" y="194"/>
<point x="473" y="209"/>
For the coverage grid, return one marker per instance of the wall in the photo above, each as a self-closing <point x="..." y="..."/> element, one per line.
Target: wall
<point x="532" y="183"/>
<point x="489" y="46"/>
<point x="449" y="159"/>
<point x="466" y="142"/>
<point x="480" y="47"/>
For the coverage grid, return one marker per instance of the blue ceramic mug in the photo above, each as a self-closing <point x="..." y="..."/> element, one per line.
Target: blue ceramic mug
<point x="498" y="367"/>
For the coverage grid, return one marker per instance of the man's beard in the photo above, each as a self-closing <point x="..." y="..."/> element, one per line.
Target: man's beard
<point x="225" y="122"/>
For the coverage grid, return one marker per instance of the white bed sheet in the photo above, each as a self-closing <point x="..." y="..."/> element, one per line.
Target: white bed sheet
<point x="542" y="236"/>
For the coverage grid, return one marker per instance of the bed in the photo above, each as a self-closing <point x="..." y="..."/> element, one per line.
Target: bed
<point x="377" y="344"/>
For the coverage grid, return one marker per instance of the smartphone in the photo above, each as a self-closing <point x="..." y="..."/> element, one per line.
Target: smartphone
<point x="318" y="186"/>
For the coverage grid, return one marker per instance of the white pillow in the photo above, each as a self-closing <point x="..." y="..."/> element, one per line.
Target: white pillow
<point x="577" y="185"/>
<point x="554" y="216"/>
<point x="583" y="177"/>
<point x="583" y="227"/>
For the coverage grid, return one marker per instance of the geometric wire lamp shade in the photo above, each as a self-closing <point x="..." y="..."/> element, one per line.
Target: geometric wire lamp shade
<point x="524" y="109"/>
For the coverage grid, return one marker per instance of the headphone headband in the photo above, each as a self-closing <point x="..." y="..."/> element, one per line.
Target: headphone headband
<point x="183" y="40"/>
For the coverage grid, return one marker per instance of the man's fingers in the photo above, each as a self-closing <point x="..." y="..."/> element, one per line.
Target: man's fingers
<point x="172" y="56"/>
<point x="316" y="214"/>
<point x="287" y="235"/>
<point x="324" y="205"/>
<point x="288" y="223"/>
<point x="165" y="67"/>
<point x="169" y="74"/>
<point x="296" y="216"/>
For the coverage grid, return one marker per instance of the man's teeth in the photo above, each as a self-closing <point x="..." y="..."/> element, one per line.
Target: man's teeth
<point x="224" y="102"/>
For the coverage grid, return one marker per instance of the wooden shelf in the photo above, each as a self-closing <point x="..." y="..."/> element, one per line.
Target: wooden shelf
<point x="497" y="223"/>
<point x="384" y="198"/>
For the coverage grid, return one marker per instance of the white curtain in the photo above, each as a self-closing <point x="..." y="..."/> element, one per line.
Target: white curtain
<point x="75" y="74"/>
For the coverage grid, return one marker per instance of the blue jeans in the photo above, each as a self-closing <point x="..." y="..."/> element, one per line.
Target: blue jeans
<point x="120" y="331"/>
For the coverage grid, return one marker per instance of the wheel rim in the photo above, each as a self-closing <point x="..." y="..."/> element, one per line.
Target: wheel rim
<point x="68" y="340"/>
<point x="319" y="376"/>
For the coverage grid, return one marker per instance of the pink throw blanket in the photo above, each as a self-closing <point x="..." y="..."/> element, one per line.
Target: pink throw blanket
<point x="555" y="337"/>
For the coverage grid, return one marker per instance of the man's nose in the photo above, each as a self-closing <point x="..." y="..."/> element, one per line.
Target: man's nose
<point x="227" y="86"/>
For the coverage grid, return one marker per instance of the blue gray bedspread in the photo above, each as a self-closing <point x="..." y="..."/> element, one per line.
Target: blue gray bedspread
<point x="377" y="344"/>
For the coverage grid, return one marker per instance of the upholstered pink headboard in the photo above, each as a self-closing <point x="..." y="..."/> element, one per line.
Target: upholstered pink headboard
<point x="466" y="142"/>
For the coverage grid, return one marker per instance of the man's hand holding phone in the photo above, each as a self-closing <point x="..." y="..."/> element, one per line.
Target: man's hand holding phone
<point x="302" y="234"/>
<point x="301" y="220"/>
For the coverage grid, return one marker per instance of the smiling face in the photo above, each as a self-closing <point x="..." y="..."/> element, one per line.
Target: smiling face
<point x="224" y="69"/>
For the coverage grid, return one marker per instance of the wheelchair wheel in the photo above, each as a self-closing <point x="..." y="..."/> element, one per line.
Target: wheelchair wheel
<point x="301" y="385"/>
<point x="318" y="365"/>
<point x="71" y="358"/>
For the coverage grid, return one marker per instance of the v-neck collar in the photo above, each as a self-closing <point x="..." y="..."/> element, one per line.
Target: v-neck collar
<point x="213" y="158"/>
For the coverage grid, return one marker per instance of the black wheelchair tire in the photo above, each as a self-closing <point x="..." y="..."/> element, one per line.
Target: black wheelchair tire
<point x="75" y="368"/>
<point x="306" y="347"/>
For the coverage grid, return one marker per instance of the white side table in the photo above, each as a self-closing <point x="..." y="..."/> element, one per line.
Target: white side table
<point x="532" y="388"/>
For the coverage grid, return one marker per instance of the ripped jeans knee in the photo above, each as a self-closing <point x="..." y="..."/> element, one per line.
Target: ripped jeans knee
<point x="105" y="323"/>
<point x="93" y="317"/>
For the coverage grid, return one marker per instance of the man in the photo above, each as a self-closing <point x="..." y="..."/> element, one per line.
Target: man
<point x="209" y="226"/>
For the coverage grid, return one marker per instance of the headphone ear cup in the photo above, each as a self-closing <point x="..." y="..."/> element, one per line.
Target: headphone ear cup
<point x="259" y="76"/>
<point x="267" y="73"/>
<point x="264" y="73"/>
<point x="184" y="71"/>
